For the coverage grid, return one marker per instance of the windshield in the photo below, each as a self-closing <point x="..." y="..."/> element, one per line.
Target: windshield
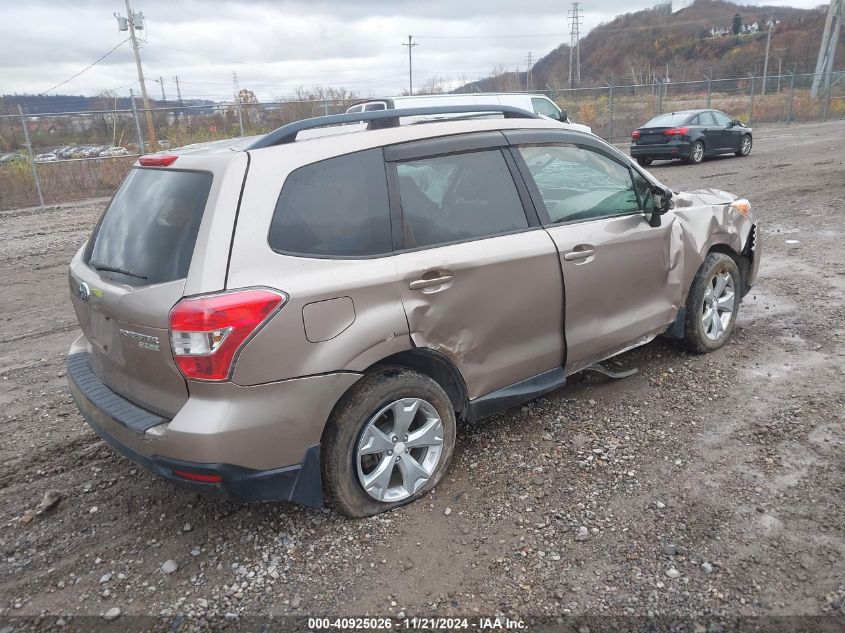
<point x="147" y="234"/>
<point x="668" y="120"/>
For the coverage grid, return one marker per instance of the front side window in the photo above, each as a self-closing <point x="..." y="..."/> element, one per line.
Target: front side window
<point x="545" y="107"/>
<point x="579" y="184"/>
<point x="458" y="197"/>
<point x="722" y="119"/>
<point x="335" y="208"/>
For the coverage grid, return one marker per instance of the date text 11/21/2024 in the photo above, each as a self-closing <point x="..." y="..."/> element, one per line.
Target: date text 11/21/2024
<point x="417" y="623"/>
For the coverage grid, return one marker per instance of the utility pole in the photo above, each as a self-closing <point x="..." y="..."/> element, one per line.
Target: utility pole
<point x="160" y="82"/>
<point x="135" y="22"/>
<point x="238" y="99"/>
<point x="771" y="25"/>
<point x="178" y="90"/>
<point x="827" y="50"/>
<point x="575" y="20"/>
<point x="529" y="80"/>
<point x="411" y="43"/>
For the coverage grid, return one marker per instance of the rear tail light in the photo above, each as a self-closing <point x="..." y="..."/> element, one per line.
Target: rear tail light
<point x="635" y="134"/>
<point x="206" y="333"/>
<point x="676" y="131"/>
<point x="157" y="160"/>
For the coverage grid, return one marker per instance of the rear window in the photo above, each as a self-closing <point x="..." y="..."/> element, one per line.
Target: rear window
<point x="668" y="120"/>
<point x="148" y="233"/>
<point x="335" y="208"/>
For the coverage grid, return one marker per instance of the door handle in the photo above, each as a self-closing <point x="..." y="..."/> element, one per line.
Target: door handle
<point x="419" y="284"/>
<point x="579" y="254"/>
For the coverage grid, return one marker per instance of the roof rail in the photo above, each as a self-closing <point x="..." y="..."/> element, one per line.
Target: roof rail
<point x="381" y="119"/>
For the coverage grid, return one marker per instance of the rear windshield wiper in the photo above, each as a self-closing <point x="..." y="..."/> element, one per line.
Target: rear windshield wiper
<point x="105" y="268"/>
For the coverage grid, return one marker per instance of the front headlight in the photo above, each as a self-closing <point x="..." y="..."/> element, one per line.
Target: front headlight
<point x="743" y="206"/>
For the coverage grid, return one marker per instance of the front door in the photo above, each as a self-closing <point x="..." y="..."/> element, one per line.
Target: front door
<point x="479" y="278"/>
<point x="622" y="277"/>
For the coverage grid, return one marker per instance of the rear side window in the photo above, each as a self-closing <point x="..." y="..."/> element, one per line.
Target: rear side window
<point x="335" y="208"/>
<point x="148" y="233"/>
<point x="458" y="197"/>
<point x="706" y="118"/>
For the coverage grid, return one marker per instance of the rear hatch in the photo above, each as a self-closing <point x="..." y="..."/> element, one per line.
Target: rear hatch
<point x="132" y="272"/>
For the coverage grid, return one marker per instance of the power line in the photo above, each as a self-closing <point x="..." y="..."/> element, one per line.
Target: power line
<point x="72" y="77"/>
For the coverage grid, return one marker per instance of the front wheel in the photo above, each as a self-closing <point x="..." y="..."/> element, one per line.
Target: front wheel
<point x="388" y="442"/>
<point x="744" y="146"/>
<point x="712" y="304"/>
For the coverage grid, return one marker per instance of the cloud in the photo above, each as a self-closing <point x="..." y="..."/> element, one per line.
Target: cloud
<point x="276" y="46"/>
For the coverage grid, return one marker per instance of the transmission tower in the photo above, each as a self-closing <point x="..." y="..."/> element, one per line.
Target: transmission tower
<point x="827" y="50"/>
<point x="529" y="79"/>
<point x="575" y="21"/>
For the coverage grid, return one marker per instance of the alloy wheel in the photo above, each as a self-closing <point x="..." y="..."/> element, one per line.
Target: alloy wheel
<point x="745" y="148"/>
<point x="719" y="302"/>
<point x="697" y="152"/>
<point x="399" y="449"/>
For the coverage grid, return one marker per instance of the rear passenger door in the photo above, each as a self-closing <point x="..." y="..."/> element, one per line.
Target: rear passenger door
<point x="622" y="277"/>
<point x="479" y="278"/>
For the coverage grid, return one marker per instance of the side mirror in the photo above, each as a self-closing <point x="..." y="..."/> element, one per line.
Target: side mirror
<point x="563" y="116"/>
<point x="735" y="122"/>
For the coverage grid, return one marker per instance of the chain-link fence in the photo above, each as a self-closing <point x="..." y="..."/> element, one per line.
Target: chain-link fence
<point x="74" y="155"/>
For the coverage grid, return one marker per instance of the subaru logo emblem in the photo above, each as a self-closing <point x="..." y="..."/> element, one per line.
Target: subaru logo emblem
<point x="84" y="291"/>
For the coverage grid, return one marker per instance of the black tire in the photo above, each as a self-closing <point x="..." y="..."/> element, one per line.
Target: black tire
<point x="645" y="162"/>
<point x="744" y="150"/>
<point x="696" y="153"/>
<point x="374" y="391"/>
<point x="696" y="338"/>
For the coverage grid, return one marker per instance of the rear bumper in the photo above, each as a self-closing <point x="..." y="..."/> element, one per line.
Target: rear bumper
<point x="663" y="150"/>
<point x="242" y="441"/>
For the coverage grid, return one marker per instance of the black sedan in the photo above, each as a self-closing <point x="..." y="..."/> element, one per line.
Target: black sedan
<point x="690" y="135"/>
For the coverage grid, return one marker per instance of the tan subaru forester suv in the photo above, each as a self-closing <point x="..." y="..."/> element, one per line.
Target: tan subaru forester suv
<point x="309" y="314"/>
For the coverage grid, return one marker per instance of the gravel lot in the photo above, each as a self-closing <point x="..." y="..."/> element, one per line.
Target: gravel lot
<point x="701" y="486"/>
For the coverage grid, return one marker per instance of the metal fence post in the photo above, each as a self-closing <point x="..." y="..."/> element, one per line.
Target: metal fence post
<point x="751" y="101"/>
<point x="791" y="96"/>
<point x="610" y="111"/>
<point x="31" y="158"/>
<point x="137" y="122"/>
<point x="709" y="90"/>
<point x="240" y="117"/>
<point x="659" y="99"/>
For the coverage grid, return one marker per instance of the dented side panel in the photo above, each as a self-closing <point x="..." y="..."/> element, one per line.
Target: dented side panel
<point x="626" y="291"/>
<point x="498" y="314"/>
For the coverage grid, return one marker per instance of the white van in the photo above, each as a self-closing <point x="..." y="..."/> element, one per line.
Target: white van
<point x="537" y="103"/>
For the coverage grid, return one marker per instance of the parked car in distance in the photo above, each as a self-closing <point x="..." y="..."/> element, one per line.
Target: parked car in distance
<point x="690" y="135"/>
<point x="12" y="157"/>
<point x="537" y="103"/>
<point x="46" y="158"/>
<point x="115" y="151"/>
<point x="94" y="152"/>
<point x="307" y="319"/>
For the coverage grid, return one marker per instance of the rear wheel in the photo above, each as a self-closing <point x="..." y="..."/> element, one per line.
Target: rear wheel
<point x="645" y="162"/>
<point x="744" y="146"/>
<point x="696" y="153"/>
<point x="712" y="304"/>
<point x="388" y="442"/>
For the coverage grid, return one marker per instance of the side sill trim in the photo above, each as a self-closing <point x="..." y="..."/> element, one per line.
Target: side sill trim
<point x="515" y="394"/>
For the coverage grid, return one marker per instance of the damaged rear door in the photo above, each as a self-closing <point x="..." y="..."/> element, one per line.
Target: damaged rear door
<point x="622" y="276"/>
<point x="479" y="278"/>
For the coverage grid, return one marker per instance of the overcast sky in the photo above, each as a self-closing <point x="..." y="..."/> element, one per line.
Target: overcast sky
<point x="278" y="45"/>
